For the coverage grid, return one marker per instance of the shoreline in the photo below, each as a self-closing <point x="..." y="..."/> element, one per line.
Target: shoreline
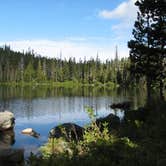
<point x="67" y="84"/>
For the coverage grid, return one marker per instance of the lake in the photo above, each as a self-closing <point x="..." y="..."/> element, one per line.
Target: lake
<point x="42" y="108"/>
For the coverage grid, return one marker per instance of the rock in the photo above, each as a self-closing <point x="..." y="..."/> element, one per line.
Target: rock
<point x="112" y="120"/>
<point x="27" y="131"/>
<point x="7" y="138"/>
<point x="11" y="157"/>
<point x="31" y="132"/>
<point x="69" y="131"/>
<point x="124" y="105"/>
<point x="139" y="114"/>
<point x="7" y="120"/>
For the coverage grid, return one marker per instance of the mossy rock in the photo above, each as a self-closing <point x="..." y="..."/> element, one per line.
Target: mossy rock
<point x="112" y="120"/>
<point x="69" y="131"/>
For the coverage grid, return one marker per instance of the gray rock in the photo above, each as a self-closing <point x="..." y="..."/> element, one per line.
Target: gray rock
<point x="69" y="131"/>
<point x="11" y="157"/>
<point x="7" y="120"/>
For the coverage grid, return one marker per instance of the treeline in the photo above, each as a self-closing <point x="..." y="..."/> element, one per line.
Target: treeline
<point x="27" y="67"/>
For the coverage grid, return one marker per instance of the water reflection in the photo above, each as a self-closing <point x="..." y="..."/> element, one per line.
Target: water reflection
<point x="7" y="138"/>
<point x="39" y="105"/>
<point x="60" y="107"/>
<point x="7" y="92"/>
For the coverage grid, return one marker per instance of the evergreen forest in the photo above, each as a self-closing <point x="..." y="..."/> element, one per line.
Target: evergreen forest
<point x="21" y="68"/>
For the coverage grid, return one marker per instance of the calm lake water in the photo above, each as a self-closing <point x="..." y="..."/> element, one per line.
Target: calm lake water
<point x="42" y="108"/>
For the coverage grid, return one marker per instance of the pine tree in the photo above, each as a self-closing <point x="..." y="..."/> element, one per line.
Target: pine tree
<point x="159" y="37"/>
<point x="29" y="73"/>
<point x="145" y="58"/>
<point x="52" y="71"/>
<point x="40" y="73"/>
<point x="21" y="70"/>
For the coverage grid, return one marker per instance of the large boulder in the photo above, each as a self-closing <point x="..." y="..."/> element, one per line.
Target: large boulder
<point x="11" y="157"/>
<point x="139" y="114"/>
<point x="112" y="120"/>
<point x="69" y="131"/>
<point x="7" y="120"/>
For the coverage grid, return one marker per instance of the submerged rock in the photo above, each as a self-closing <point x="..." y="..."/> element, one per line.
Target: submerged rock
<point x="31" y="132"/>
<point x="124" y="105"/>
<point x="139" y="114"/>
<point x="69" y="131"/>
<point x="11" y="157"/>
<point x="7" y="120"/>
<point x="112" y="120"/>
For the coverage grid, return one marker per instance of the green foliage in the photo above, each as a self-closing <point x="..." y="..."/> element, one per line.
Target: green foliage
<point x="56" y="146"/>
<point x="138" y="123"/>
<point x="26" y="67"/>
<point x="90" y="113"/>
<point x="93" y="132"/>
<point x="111" y="85"/>
<point x="41" y="77"/>
<point x="29" y="73"/>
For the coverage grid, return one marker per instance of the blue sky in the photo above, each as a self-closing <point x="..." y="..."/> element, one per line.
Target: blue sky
<point x="77" y="28"/>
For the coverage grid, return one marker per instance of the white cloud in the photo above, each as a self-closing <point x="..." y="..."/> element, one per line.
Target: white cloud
<point x="126" y="9"/>
<point x="50" y="48"/>
<point x="121" y="19"/>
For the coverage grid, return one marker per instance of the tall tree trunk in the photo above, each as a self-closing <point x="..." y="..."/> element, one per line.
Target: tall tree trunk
<point x="161" y="90"/>
<point x="148" y="86"/>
